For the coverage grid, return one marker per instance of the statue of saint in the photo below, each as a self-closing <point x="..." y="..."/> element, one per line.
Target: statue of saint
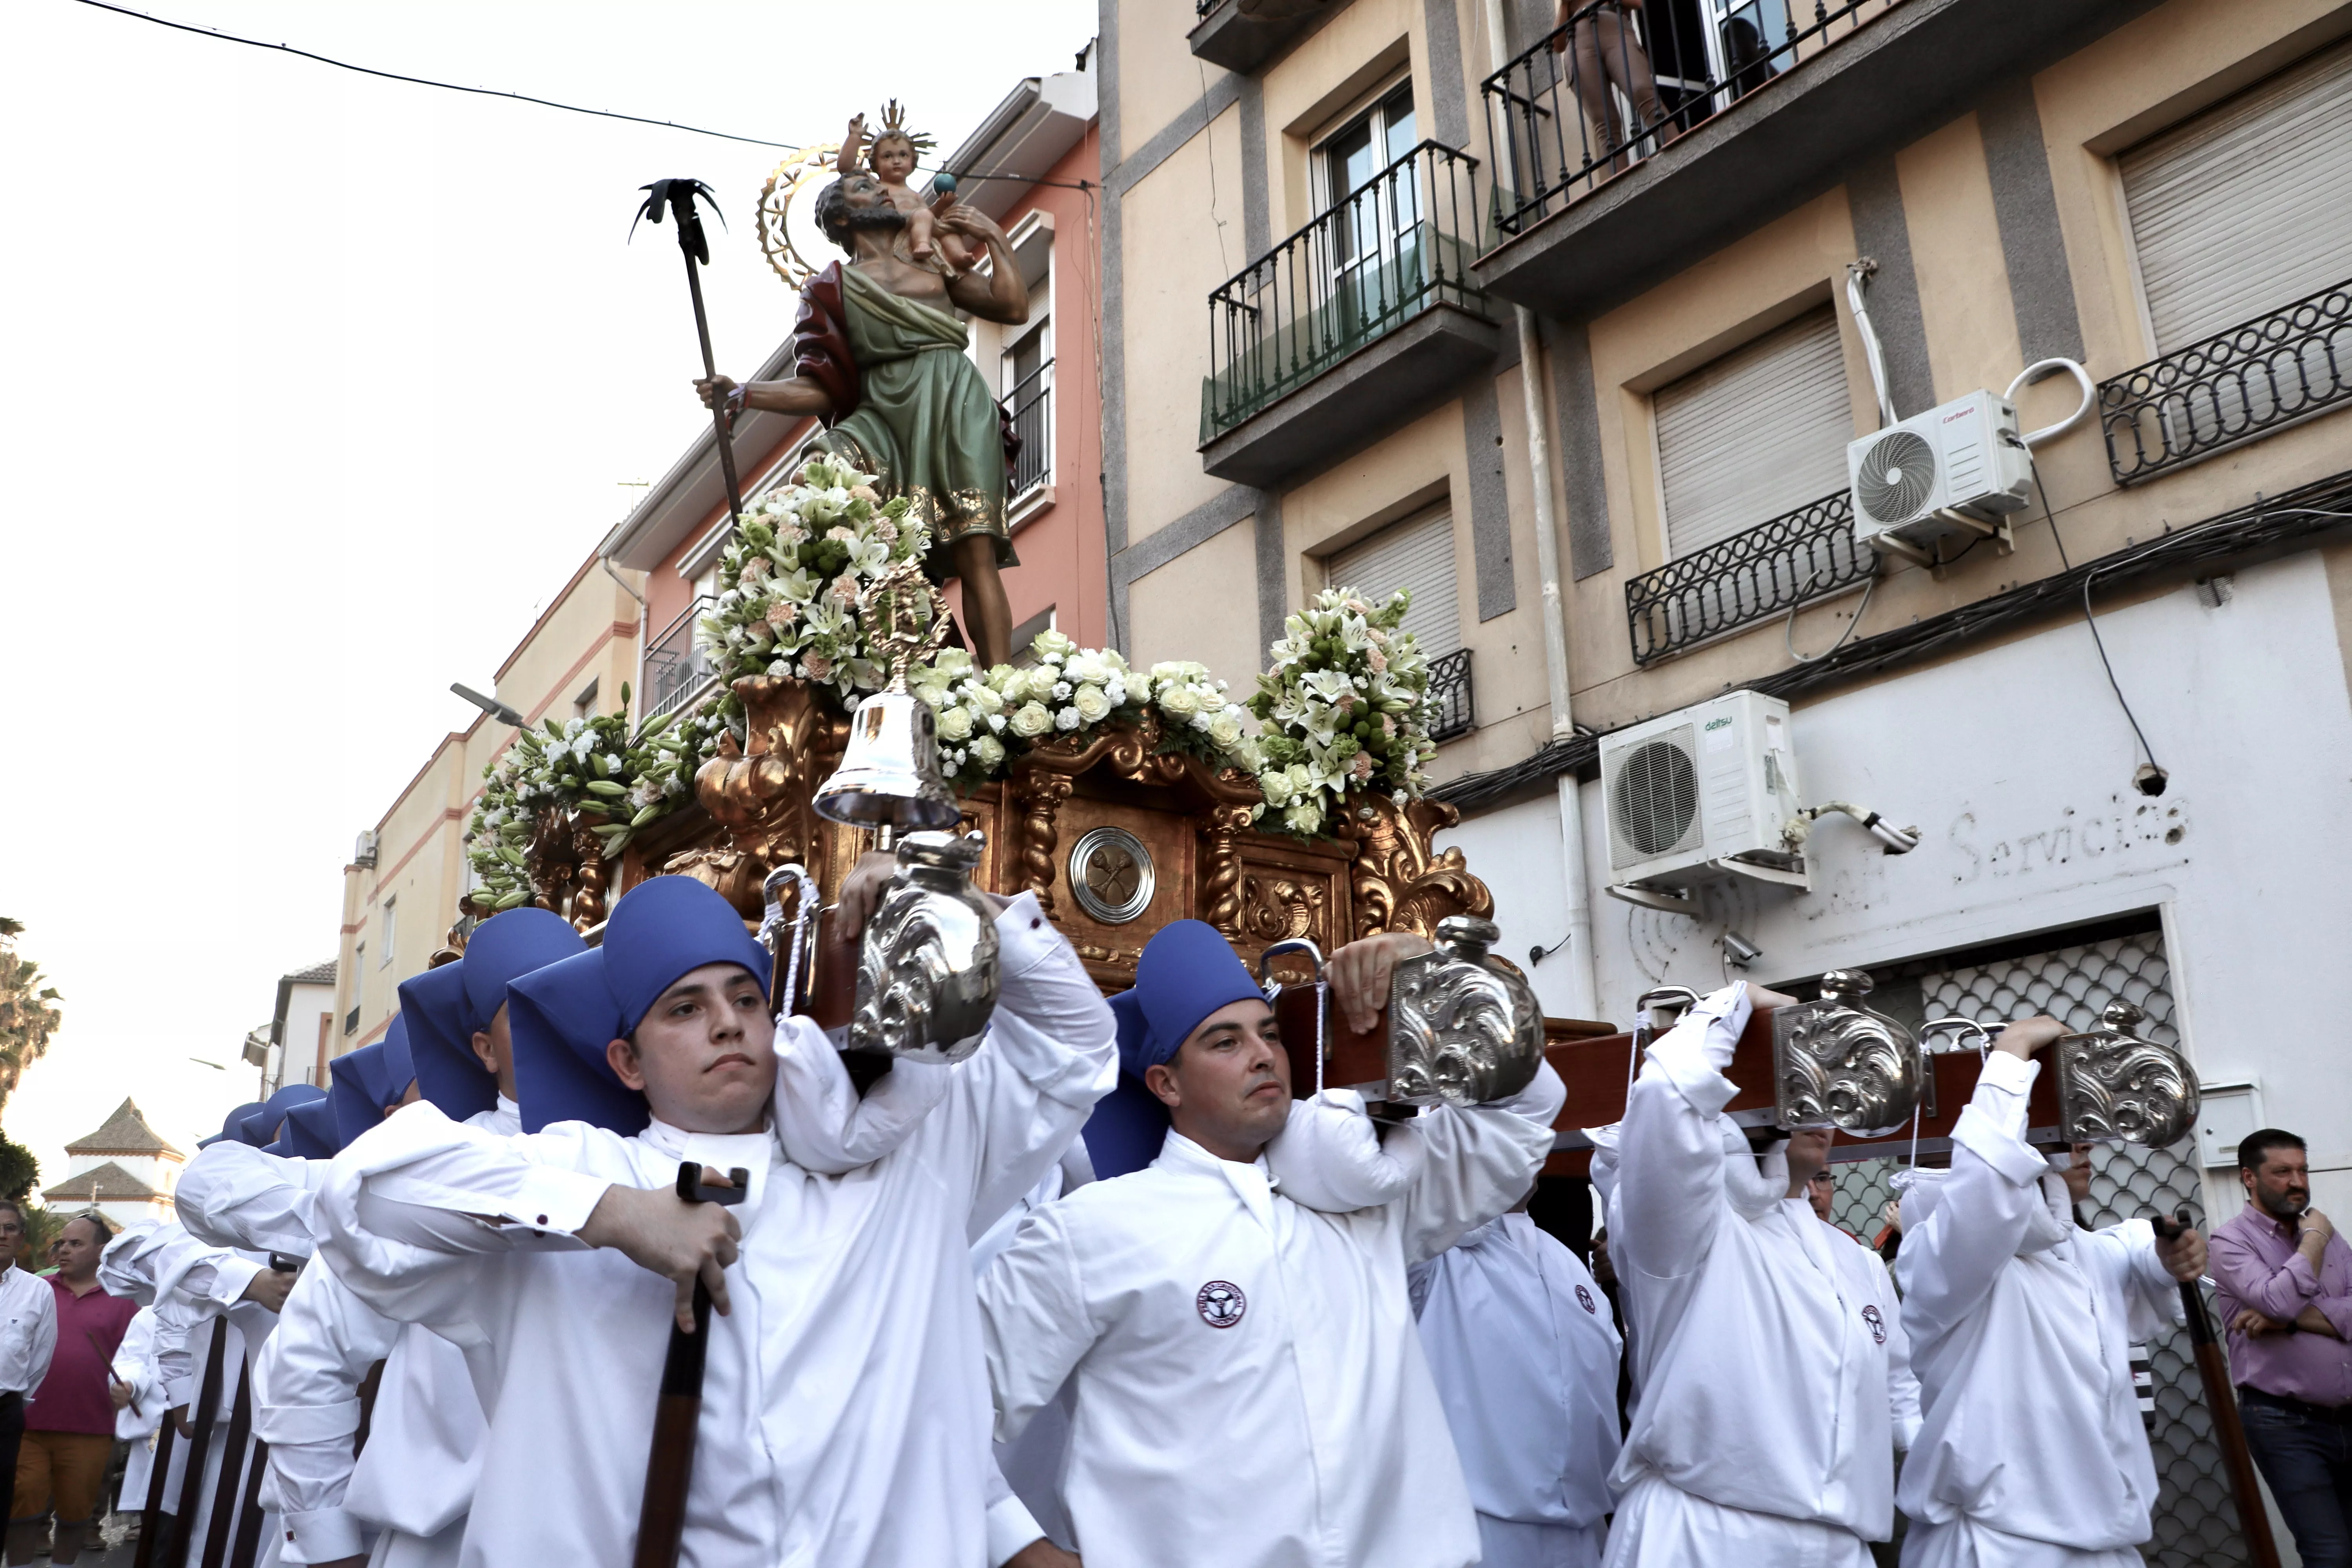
<point x="880" y="358"/>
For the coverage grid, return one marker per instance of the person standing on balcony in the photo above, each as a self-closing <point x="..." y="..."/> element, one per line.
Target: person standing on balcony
<point x="2285" y="1279"/>
<point x="1605" y="52"/>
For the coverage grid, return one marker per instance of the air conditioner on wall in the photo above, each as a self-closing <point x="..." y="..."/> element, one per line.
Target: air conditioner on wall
<point x="1955" y="470"/>
<point x="1700" y="794"/>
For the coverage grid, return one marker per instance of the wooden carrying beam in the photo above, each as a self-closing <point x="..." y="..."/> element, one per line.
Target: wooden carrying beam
<point x="1594" y="1070"/>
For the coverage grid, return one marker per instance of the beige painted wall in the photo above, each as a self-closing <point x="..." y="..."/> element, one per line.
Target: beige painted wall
<point x="1171" y="260"/>
<point x="1159" y="77"/>
<point x="1202" y="606"/>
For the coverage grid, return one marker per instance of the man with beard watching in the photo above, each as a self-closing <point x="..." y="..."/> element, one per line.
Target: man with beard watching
<point x="2284" y="1288"/>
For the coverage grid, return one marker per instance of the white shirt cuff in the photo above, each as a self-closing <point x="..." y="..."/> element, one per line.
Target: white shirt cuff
<point x="322" y="1535"/>
<point x="1011" y="1527"/>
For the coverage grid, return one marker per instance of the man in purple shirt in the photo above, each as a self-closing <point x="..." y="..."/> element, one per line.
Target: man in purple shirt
<point x="2284" y="1286"/>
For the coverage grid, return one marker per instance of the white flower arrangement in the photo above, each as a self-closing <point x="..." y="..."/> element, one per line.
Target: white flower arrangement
<point x="789" y="580"/>
<point x="587" y="768"/>
<point x="1345" y="708"/>
<point x="986" y="717"/>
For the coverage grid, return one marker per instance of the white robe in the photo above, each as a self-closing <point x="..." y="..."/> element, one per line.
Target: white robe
<point x="1520" y="1344"/>
<point x="412" y="1486"/>
<point x="1250" y="1391"/>
<point x="1763" y="1435"/>
<point x="137" y="1366"/>
<point x="844" y="1419"/>
<point x="2031" y="1453"/>
<point x="162" y="1265"/>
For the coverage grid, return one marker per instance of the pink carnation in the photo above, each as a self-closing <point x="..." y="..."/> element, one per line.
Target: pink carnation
<point x="1377" y="659"/>
<point x="1346" y="702"/>
<point x="846" y="534"/>
<point x="816" y="667"/>
<point x="1361" y="768"/>
<point x="780" y="614"/>
<point x="844" y="588"/>
<point x="885" y="531"/>
<point x="755" y="569"/>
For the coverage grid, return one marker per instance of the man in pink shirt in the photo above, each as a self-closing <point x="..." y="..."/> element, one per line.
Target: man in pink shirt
<point x="70" y="1425"/>
<point x="2284" y="1286"/>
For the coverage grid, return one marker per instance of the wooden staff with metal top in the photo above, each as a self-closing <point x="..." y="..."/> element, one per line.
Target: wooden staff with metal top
<point x="200" y="1435"/>
<point x="151" y="1517"/>
<point x="2221" y="1401"/>
<point x="669" y="1466"/>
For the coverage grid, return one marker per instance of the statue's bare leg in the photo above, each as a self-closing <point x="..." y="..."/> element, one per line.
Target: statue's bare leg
<point x="987" y="615"/>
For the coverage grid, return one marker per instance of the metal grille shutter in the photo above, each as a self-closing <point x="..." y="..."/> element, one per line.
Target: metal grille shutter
<point x="2195" y="1524"/>
<point x="1760" y="432"/>
<point x="2248" y="206"/>
<point x="1418" y="555"/>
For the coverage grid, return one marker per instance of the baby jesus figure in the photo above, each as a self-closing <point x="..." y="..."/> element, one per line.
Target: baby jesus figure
<point x="891" y="158"/>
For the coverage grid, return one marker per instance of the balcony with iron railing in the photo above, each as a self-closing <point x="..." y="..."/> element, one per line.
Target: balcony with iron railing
<point x="678" y="669"/>
<point x="1243" y="35"/>
<point x="1449" y="688"/>
<point x="2233" y="387"/>
<point x="1362" y="318"/>
<point x="1633" y="141"/>
<point x="1029" y="406"/>
<point x="1766" y="571"/>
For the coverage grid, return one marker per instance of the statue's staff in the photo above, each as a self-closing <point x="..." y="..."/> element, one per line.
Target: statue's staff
<point x="678" y="196"/>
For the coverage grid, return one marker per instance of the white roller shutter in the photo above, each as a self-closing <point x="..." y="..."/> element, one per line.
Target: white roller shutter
<point x="1759" y="432"/>
<point x="2248" y="206"/>
<point x="1418" y="555"/>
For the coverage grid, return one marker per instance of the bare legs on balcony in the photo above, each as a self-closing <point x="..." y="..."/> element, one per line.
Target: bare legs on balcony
<point x="1604" y="52"/>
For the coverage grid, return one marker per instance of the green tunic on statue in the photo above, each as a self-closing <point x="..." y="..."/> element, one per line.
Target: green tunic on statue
<point x="925" y="422"/>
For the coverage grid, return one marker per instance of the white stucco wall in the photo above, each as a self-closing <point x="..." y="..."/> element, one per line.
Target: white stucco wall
<point x="2015" y="763"/>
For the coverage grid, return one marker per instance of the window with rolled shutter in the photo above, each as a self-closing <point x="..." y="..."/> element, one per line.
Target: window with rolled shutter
<point x="1418" y="555"/>
<point x="2247" y="207"/>
<point x="1758" y="433"/>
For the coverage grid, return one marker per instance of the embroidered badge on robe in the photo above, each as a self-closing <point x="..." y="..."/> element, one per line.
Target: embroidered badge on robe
<point x="1877" y="1324"/>
<point x="1222" y="1303"/>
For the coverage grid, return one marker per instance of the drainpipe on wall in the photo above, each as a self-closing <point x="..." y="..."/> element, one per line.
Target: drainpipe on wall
<point x="645" y="621"/>
<point x="1583" y="995"/>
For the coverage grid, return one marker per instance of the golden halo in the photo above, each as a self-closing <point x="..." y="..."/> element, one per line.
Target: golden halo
<point x="811" y="165"/>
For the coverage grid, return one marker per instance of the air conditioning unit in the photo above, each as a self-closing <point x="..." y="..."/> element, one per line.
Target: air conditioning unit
<point x="1701" y="795"/>
<point x="1959" y="469"/>
<point x="364" y="852"/>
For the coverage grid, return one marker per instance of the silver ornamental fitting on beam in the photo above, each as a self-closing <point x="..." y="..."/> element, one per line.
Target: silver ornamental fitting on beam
<point x="1463" y="1029"/>
<point x="889" y="774"/>
<point x="2113" y="1085"/>
<point x="927" y="966"/>
<point x="1837" y="1064"/>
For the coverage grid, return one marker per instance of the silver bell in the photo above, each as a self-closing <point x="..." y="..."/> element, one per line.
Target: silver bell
<point x="1463" y="1029"/>
<point x="889" y="775"/>
<point x="928" y="978"/>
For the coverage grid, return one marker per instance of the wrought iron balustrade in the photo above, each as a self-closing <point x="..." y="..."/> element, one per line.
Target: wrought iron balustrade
<point x="1031" y="405"/>
<point x="677" y="666"/>
<point x="1616" y="83"/>
<point x="1449" y="688"/>
<point x="2269" y="373"/>
<point x="1766" y="571"/>
<point x="1388" y="250"/>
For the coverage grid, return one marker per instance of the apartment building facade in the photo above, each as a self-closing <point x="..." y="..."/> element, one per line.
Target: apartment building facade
<point x="1551" y="319"/>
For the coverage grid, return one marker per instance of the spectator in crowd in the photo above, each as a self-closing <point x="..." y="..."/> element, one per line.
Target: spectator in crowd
<point x="28" y="1334"/>
<point x="69" y="1429"/>
<point x="2284" y="1281"/>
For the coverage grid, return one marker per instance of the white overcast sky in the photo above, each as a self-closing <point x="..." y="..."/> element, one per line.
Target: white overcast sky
<point x="315" y="388"/>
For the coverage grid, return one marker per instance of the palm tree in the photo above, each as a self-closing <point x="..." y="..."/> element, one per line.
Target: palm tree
<point x="28" y="1013"/>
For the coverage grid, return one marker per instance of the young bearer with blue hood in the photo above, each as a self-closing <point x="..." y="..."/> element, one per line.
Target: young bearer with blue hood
<point x="845" y="1417"/>
<point x="1250" y="1391"/>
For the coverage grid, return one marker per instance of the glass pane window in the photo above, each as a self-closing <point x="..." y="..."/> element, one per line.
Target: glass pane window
<point x="1377" y="212"/>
